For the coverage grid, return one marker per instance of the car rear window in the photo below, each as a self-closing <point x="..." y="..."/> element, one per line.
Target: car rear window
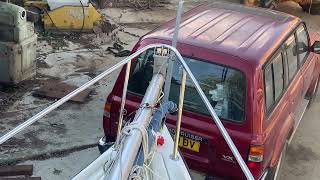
<point x="225" y="87"/>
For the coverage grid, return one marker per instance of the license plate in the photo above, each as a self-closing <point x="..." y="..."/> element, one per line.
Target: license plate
<point x="189" y="144"/>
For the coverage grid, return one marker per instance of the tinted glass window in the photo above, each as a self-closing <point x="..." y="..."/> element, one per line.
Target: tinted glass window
<point x="224" y="87"/>
<point x="291" y="55"/>
<point x="278" y="76"/>
<point x="274" y="81"/>
<point x="302" y="41"/>
<point x="141" y="74"/>
<point x="268" y="86"/>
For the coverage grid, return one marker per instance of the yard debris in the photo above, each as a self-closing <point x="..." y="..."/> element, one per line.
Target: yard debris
<point x="56" y="171"/>
<point x="9" y="94"/>
<point x="137" y="4"/>
<point x="118" y="51"/>
<point x="3" y="96"/>
<point x="104" y="26"/>
<point x="17" y="172"/>
<point x="25" y="109"/>
<point x="72" y="59"/>
<point x="57" y="124"/>
<point x="57" y="90"/>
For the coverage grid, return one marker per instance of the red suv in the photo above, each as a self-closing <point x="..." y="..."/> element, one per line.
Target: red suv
<point x="258" y="67"/>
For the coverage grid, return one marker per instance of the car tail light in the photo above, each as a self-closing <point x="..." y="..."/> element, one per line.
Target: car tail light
<point x="256" y="153"/>
<point x="107" y="125"/>
<point x="107" y="110"/>
<point x="255" y="159"/>
<point x="255" y="168"/>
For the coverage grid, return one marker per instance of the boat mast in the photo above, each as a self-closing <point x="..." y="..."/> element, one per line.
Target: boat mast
<point x="171" y="60"/>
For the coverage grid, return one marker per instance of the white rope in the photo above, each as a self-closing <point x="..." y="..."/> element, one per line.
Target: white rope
<point x="137" y="173"/>
<point x="117" y="148"/>
<point x="127" y="130"/>
<point x="153" y="172"/>
<point x="140" y="172"/>
<point x="150" y="159"/>
<point x="107" y="166"/>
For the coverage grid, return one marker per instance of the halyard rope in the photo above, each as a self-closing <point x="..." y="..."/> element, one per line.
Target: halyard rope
<point x="137" y="172"/>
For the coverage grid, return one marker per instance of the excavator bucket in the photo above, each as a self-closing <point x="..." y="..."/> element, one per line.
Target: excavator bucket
<point x="76" y="18"/>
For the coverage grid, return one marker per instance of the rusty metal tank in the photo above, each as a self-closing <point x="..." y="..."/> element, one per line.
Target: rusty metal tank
<point x="17" y="45"/>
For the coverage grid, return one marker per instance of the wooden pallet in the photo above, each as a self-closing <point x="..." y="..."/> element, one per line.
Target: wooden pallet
<point x="18" y="172"/>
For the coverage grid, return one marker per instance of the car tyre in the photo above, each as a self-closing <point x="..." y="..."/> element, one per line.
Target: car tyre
<point x="273" y="173"/>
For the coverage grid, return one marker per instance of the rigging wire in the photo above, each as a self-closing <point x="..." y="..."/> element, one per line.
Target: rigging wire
<point x="83" y="16"/>
<point x="128" y="127"/>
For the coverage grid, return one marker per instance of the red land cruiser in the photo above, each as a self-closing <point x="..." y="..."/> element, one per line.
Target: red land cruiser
<point x="258" y="67"/>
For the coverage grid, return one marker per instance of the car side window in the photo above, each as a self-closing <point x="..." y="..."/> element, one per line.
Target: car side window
<point x="268" y="86"/>
<point x="278" y="76"/>
<point x="303" y="43"/>
<point x="274" y="81"/>
<point x="291" y="57"/>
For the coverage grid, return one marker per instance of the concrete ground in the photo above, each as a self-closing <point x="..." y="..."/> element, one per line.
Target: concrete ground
<point x="62" y="143"/>
<point x="64" y="167"/>
<point x="303" y="155"/>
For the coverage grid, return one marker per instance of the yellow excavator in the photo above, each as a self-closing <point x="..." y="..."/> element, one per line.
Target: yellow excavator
<point x="66" y="15"/>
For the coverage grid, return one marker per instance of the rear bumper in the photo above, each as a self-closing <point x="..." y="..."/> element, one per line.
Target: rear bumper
<point x="264" y="175"/>
<point x="104" y="144"/>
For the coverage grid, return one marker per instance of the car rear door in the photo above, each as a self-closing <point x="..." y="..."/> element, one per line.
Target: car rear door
<point x="295" y="79"/>
<point x="226" y="90"/>
<point x="201" y="142"/>
<point x="307" y="61"/>
<point x="277" y="102"/>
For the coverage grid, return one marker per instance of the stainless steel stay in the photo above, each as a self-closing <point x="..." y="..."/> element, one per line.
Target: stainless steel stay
<point x="216" y="119"/>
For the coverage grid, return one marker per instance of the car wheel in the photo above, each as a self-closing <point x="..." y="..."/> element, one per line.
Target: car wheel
<point x="313" y="94"/>
<point x="274" y="172"/>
